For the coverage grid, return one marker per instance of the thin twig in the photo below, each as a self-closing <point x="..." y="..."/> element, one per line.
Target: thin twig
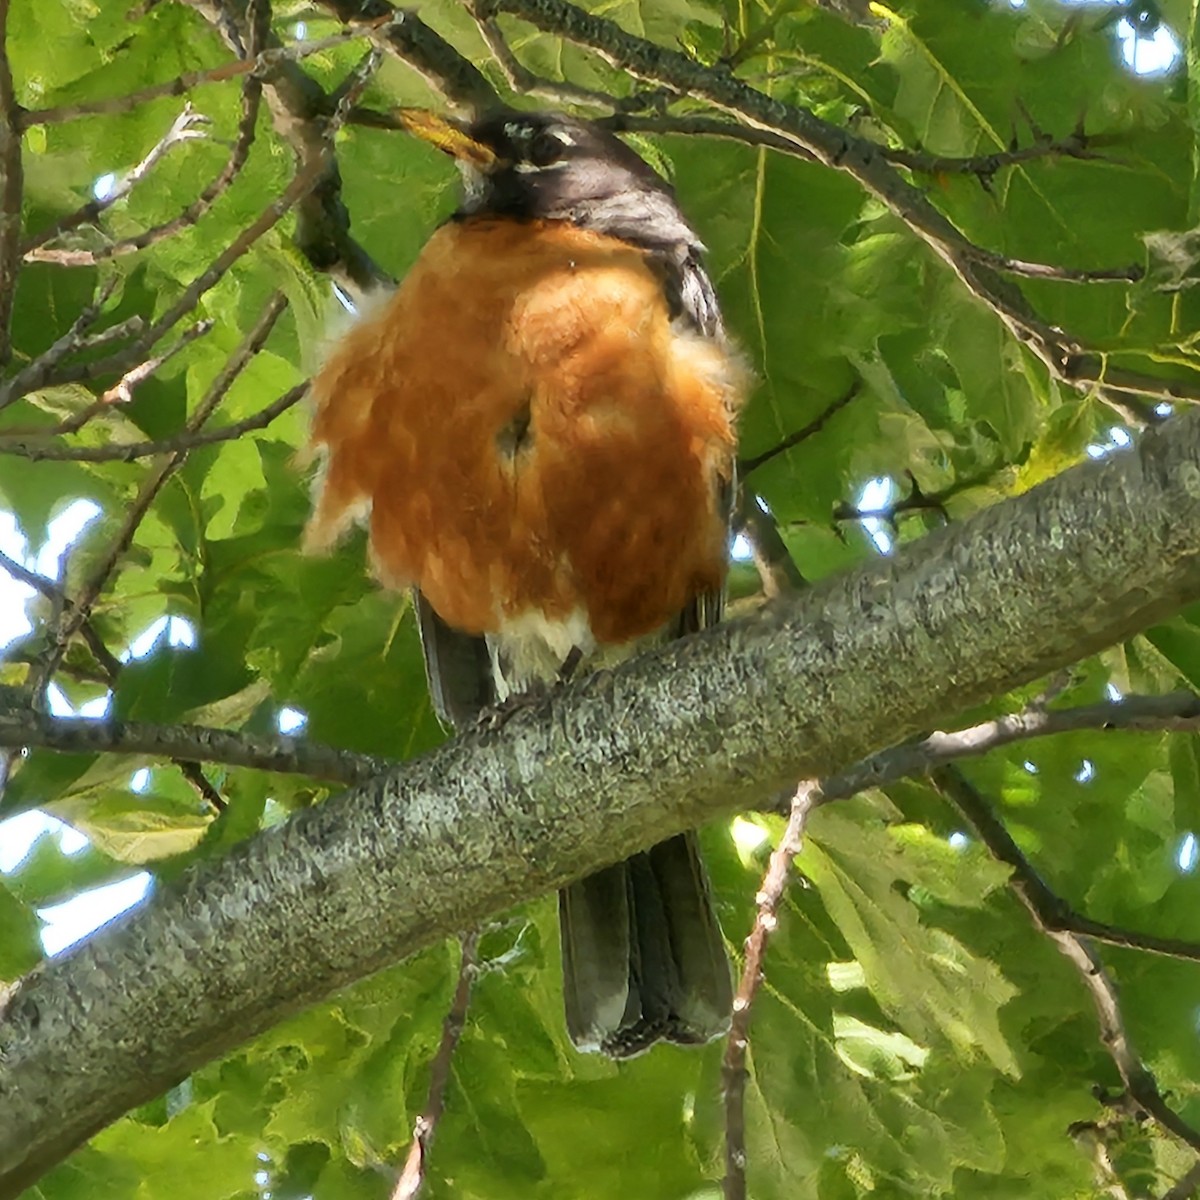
<point x="12" y="186"/>
<point x="182" y="84"/>
<point x="916" y="500"/>
<point x="772" y="559"/>
<point x="1044" y="907"/>
<point x="109" y="664"/>
<point x="189" y="126"/>
<point x="122" y="391"/>
<point x="525" y="82"/>
<point x="412" y="1178"/>
<point x="25" y="381"/>
<point x="238" y="156"/>
<point x="402" y="33"/>
<point x="1077" y="145"/>
<point x="733" y="1068"/>
<point x="352" y="88"/>
<point x="746" y="465"/>
<point x="1176" y="712"/>
<point x="36" y="373"/>
<point x="70" y="621"/>
<point x="24" y="726"/>
<point x="204" y="789"/>
<point x="184" y="440"/>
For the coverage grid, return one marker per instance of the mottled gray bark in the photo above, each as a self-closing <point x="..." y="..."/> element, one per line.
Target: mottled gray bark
<point x="606" y="767"/>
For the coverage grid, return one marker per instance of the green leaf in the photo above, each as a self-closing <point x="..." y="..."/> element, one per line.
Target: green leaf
<point x="20" y="941"/>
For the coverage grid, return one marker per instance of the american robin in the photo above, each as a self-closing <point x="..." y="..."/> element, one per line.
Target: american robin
<point x="538" y="429"/>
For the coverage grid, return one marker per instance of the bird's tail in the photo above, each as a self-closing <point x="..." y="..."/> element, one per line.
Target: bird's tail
<point x="643" y="957"/>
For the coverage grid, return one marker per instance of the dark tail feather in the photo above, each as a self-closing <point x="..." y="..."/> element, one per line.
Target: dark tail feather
<point x="643" y="958"/>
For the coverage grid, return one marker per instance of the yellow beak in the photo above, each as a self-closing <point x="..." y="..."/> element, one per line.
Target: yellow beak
<point x="447" y="135"/>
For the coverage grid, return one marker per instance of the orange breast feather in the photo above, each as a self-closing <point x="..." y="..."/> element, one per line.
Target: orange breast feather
<point x="528" y="432"/>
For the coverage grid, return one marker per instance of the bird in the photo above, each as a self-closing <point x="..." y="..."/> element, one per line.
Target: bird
<point x="538" y="429"/>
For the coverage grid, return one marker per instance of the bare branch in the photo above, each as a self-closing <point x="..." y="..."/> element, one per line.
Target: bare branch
<point x="1044" y="908"/>
<point x="73" y="617"/>
<point x="46" y="375"/>
<point x="525" y="82"/>
<point x="746" y="465"/>
<point x="402" y="33"/>
<point x="772" y="559"/>
<point x="412" y="1178"/>
<point x="195" y="776"/>
<point x="1132" y="273"/>
<point x="35" y="374"/>
<point x="12" y="185"/>
<point x="24" y="726"/>
<point x="182" y="84"/>
<point x="189" y="126"/>
<point x="109" y="664"/>
<point x="917" y="500"/>
<point x="1078" y="144"/>
<point x="184" y="440"/>
<point x="122" y="390"/>
<point x="1176" y="712"/>
<point x="733" y="1068"/>
<point x="978" y="269"/>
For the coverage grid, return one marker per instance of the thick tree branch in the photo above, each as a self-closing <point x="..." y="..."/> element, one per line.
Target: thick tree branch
<point x="605" y="767"/>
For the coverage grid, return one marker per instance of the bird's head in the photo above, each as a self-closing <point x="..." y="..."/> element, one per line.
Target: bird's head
<point x="556" y="167"/>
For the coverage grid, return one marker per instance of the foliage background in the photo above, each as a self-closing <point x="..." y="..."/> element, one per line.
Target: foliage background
<point x="915" y="1034"/>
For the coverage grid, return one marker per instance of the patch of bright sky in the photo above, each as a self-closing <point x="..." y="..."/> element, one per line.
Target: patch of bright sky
<point x="1118" y="439"/>
<point x="1189" y="852"/>
<point x="1148" y="52"/>
<point x="179" y="631"/>
<point x="747" y="835"/>
<point x="1113" y="692"/>
<point x="875" y="496"/>
<point x="14" y="595"/>
<point x="104" y="186"/>
<point x="74" y="919"/>
<point x="1152" y="49"/>
<point x="66" y="923"/>
<point x="291" y="719"/>
<point x="959" y="840"/>
<point x="1086" y="772"/>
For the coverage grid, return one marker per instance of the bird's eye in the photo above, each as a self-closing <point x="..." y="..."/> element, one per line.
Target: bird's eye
<point x="546" y="147"/>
